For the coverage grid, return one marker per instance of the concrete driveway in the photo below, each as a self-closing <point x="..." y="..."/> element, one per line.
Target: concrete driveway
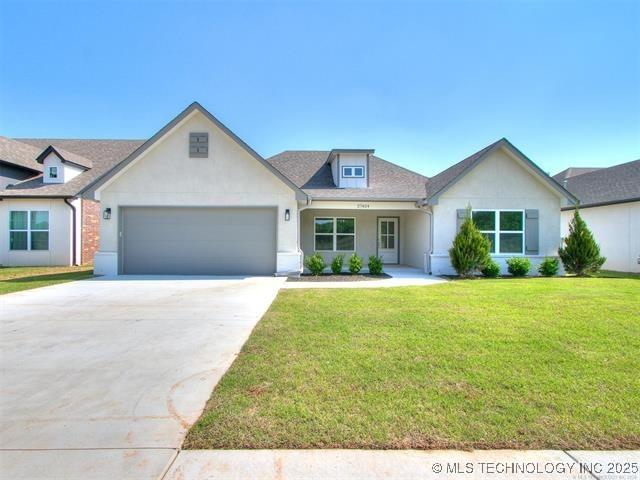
<point x="102" y="378"/>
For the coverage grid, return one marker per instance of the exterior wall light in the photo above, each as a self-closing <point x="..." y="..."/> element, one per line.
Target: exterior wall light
<point x="287" y="215"/>
<point x="106" y="214"/>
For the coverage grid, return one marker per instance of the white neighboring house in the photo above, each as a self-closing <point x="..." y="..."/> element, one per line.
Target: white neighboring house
<point x="610" y="205"/>
<point x="196" y="199"/>
<point x="45" y="221"/>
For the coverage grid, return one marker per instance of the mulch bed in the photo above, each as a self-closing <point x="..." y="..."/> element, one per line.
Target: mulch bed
<point x="329" y="277"/>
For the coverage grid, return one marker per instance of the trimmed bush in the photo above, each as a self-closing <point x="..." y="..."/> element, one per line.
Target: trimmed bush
<point x="491" y="269"/>
<point x="355" y="263"/>
<point x="336" y="264"/>
<point x="470" y="250"/>
<point x="518" y="266"/>
<point x="580" y="254"/>
<point x="375" y="265"/>
<point x="315" y="263"/>
<point x="549" y="267"/>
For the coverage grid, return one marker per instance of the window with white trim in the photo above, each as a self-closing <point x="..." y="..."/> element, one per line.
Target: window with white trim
<point x="28" y="230"/>
<point x="349" y="171"/>
<point x="53" y="172"/>
<point x="503" y="228"/>
<point x="334" y="234"/>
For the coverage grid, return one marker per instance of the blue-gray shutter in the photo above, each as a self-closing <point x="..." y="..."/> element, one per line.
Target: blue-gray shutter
<point x="531" y="232"/>
<point x="461" y="215"/>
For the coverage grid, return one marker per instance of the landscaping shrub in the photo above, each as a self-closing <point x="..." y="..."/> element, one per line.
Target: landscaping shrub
<point x="355" y="263"/>
<point x="470" y="250"/>
<point x="315" y="263"/>
<point x="375" y="265"/>
<point x="491" y="269"/>
<point x="549" y="267"/>
<point x="580" y="254"/>
<point x="518" y="266"/>
<point x="336" y="264"/>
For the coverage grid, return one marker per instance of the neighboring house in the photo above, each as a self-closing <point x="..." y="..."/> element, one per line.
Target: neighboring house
<point x="17" y="162"/>
<point x="44" y="219"/>
<point x="610" y="204"/>
<point x="196" y="199"/>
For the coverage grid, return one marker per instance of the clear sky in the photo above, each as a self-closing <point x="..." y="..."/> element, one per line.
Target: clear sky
<point x="424" y="83"/>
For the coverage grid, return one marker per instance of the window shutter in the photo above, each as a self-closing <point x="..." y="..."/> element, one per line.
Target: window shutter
<point x="531" y="232"/>
<point x="199" y="145"/>
<point x="461" y="215"/>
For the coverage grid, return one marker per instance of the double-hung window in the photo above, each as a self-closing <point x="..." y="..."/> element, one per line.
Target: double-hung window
<point x="503" y="228"/>
<point x="335" y="234"/>
<point x="28" y="230"/>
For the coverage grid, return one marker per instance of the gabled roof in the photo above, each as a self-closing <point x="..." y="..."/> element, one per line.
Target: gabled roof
<point x="19" y="154"/>
<point x="65" y="157"/>
<point x="572" y="172"/>
<point x="94" y="186"/>
<point x="103" y="155"/>
<point x="606" y="186"/>
<point x="440" y="183"/>
<point x="310" y="171"/>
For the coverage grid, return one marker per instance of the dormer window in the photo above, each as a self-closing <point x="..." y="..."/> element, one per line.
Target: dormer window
<point x="352" y="172"/>
<point x="53" y="172"/>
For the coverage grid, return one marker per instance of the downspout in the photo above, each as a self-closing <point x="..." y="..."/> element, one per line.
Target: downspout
<point x="73" y="236"/>
<point x="424" y="207"/>
<point x="309" y="200"/>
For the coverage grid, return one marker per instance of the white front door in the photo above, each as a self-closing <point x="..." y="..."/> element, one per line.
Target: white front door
<point x="388" y="239"/>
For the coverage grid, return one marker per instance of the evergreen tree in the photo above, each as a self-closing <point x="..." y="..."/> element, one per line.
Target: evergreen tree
<point x="580" y="254"/>
<point x="470" y="250"/>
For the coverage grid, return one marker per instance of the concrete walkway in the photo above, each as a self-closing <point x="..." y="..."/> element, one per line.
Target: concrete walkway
<point x="101" y="379"/>
<point x="403" y="464"/>
<point x="401" y="276"/>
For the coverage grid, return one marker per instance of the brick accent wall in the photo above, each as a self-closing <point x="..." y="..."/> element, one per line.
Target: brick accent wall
<point x="90" y="230"/>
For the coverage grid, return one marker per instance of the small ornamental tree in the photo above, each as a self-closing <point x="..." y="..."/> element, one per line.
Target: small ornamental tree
<point x="580" y="254"/>
<point x="470" y="250"/>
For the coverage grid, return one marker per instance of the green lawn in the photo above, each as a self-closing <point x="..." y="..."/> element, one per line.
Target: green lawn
<point x="612" y="274"/>
<point x="15" y="279"/>
<point x="531" y="363"/>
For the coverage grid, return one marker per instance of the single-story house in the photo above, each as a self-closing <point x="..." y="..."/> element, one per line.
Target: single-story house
<point x="45" y="219"/>
<point x="610" y="205"/>
<point x="196" y="199"/>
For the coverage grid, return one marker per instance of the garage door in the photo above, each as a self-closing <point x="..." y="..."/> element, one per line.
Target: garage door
<point x="198" y="241"/>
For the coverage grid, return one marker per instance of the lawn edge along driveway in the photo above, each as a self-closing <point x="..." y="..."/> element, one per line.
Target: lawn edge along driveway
<point x="17" y="279"/>
<point x="521" y="363"/>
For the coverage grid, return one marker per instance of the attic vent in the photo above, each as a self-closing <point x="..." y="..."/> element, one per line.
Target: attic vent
<point x="198" y="145"/>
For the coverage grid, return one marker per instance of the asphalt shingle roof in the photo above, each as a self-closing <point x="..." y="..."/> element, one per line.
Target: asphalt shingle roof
<point x="19" y="154"/>
<point x="310" y="171"/>
<point x="572" y="172"/>
<point x="620" y="183"/>
<point x="98" y="155"/>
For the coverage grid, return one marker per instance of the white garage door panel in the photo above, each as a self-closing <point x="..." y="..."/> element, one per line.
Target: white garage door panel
<point x="198" y="241"/>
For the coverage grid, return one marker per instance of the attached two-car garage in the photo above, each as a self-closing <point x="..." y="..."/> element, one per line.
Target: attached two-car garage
<point x="198" y="241"/>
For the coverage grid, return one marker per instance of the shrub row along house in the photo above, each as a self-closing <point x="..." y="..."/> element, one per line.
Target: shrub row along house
<point x="196" y="199"/>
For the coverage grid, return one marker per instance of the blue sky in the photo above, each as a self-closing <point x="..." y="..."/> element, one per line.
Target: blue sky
<point x="424" y="83"/>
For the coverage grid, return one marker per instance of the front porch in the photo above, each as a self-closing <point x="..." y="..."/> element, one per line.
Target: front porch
<point x="399" y="232"/>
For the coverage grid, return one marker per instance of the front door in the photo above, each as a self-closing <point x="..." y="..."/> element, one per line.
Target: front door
<point x="388" y="239"/>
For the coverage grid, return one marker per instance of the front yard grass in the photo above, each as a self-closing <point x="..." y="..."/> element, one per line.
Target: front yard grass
<point x="15" y="279"/>
<point x="532" y="363"/>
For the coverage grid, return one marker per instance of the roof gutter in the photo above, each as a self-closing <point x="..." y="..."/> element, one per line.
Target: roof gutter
<point x="73" y="235"/>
